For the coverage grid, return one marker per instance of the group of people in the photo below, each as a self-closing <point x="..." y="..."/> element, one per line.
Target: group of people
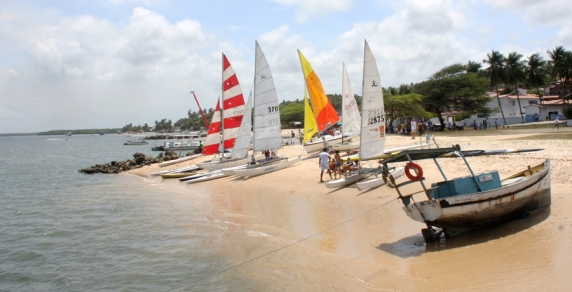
<point x="334" y="165"/>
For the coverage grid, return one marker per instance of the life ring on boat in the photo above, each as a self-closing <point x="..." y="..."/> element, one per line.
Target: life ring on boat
<point x="412" y="177"/>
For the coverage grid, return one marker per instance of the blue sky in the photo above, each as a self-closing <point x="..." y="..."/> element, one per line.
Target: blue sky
<point x="106" y="63"/>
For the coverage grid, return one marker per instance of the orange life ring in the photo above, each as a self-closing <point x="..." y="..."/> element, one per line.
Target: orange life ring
<point x="417" y="167"/>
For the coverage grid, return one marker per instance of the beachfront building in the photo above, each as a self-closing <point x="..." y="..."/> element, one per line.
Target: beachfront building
<point x="532" y="108"/>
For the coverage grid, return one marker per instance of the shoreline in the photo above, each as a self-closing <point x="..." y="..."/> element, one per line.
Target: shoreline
<point x="363" y="239"/>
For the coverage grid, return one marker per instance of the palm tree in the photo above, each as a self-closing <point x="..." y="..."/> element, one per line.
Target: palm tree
<point x="515" y="74"/>
<point x="561" y="67"/>
<point x="496" y="73"/>
<point x="557" y="56"/>
<point x="535" y="73"/>
<point x="473" y="67"/>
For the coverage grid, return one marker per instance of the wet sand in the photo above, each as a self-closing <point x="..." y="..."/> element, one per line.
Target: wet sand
<point x="349" y="240"/>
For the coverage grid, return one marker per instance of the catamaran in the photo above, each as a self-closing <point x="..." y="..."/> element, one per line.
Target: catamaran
<point x="232" y="113"/>
<point x="267" y="127"/>
<point x="240" y="149"/>
<point x="324" y="113"/>
<point x="372" y="129"/>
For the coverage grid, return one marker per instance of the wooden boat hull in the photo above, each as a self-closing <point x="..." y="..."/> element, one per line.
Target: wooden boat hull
<point x="319" y="144"/>
<point x="477" y="210"/>
<point x="378" y="180"/>
<point x="248" y="172"/>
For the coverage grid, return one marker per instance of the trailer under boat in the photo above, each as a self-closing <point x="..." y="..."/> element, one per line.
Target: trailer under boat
<point x="469" y="202"/>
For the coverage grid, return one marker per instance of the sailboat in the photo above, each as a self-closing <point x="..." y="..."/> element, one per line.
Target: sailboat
<point x="351" y="118"/>
<point x="232" y="113"/>
<point x="240" y="150"/>
<point x="267" y="127"/>
<point x="372" y="129"/>
<point x="324" y="113"/>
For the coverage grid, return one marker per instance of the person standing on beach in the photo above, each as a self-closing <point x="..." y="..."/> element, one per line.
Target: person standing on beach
<point x="338" y="162"/>
<point x="324" y="162"/>
<point x="497" y="123"/>
<point x="413" y="128"/>
<point x="556" y="123"/>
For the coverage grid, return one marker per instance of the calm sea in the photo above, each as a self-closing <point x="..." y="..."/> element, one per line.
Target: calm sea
<point x="63" y="230"/>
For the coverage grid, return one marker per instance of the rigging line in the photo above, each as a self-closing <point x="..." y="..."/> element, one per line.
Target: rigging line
<point x="284" y="247"/>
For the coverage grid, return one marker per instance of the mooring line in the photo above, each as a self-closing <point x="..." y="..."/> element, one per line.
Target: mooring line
<point x="284" y="247"/>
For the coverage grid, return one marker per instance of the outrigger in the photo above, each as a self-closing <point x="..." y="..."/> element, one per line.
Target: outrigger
<point x="470" y="202"/>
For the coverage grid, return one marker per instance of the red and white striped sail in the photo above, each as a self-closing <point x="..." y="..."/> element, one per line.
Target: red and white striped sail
<point x="233" y="104"/>
<point x="212" y="141"/>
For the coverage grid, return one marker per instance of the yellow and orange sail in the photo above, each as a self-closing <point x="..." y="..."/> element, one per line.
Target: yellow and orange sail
<point x="326" y="115"/>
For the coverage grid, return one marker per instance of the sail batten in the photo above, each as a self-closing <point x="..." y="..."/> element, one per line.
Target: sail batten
<point x="267" y="127"/>
<point x="372" y="134"/>
<point x="325" y="113"/>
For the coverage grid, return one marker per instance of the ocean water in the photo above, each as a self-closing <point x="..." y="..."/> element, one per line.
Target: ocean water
<point x="66" y="231"/>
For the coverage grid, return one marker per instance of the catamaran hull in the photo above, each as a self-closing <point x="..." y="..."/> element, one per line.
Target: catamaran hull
<point x="473" y="211"/>
<point x="207" y="176"/>
<point x="222" y="164"/>
<point x="179" y="160"/>
<point x="345" y="181"/>
<point x="181" y="169"/>
<point x="319" y="144"/>
<point x="248" y="172"/>
<point x="378" y="181"/>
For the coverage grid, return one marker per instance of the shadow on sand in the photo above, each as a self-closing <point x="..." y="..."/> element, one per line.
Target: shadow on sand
<point x="413" y="246"/>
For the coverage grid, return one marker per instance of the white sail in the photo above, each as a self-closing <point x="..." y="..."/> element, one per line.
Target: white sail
<point x="267" y="129"/>
<point x="372" y="135"/>
<point x="244" y="132"/>
<point x="351" y="119"/>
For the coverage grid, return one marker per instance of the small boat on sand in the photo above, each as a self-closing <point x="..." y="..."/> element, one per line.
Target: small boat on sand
<point x="471" y="202"/>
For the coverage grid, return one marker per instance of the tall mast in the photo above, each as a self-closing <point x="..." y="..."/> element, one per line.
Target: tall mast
<point x="222" y="103"/>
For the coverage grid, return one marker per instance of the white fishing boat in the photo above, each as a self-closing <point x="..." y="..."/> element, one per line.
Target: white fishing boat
<point x="372" y="128"/>
<point x="135" y="140"/>
<point x="471" y="202"/>
<point x="267" y="127"/>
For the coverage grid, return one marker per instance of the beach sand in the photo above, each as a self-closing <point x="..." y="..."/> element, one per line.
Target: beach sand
<point x="319" y="239"/>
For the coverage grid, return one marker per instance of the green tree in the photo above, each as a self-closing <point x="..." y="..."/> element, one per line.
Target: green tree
<point x="515" y="74"/>
<point x="496" y="74"/>
<point x="452" y="88"/>
<point x="404" y="106"/>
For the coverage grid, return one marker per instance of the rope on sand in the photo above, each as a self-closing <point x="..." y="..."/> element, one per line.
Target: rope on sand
<point x="284" y="247"/>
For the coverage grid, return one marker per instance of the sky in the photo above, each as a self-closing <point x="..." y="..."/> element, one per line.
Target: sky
<point x="89" y="64"/>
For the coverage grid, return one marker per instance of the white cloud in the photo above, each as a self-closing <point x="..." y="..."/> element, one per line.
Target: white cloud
<point x="308" y="10"/>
